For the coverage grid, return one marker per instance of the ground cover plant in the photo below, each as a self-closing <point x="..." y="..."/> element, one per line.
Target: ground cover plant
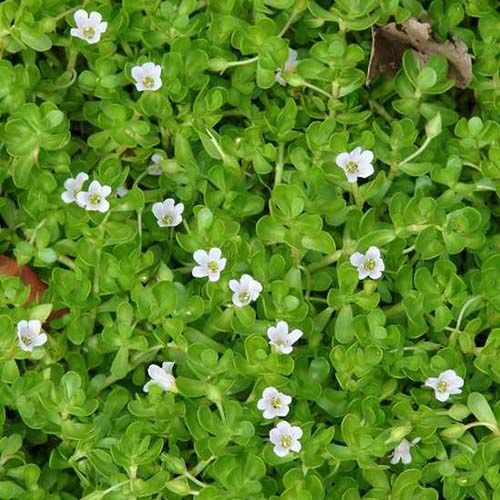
<point x="249" y="249"/>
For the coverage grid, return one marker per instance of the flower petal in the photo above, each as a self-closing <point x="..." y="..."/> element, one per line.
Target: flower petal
<point x="155" y="372"/>
<point x="201" y="257"/>
<point x="81" y="17"/>
<point x="431" y="382"/>
<point x="357" y="259"/>
<point x="294" y="336"/>
<point x="215" y="253"/>
<point x="137" y="73"/>
<point x="342" y="159"/>
<point x="234" y="286"/>
<point x="442" y="396"/>
<point x="199" y="271"/>
<point x="95" y="18"/>
<point x="367" y="156"/>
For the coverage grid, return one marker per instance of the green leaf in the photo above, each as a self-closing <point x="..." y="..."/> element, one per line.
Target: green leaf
<point x="480" y="408"/>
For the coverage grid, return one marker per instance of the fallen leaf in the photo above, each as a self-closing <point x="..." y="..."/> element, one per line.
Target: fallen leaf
<point x="391" y="41"/>
<point x="10" y="267"/>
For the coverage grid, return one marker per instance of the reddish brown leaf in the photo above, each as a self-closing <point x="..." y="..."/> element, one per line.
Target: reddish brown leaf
<point x="9" y="267"/>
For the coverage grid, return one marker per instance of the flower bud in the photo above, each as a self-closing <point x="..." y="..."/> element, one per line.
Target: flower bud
<point x="458" y="412"/>
<point x="213" y="393"/>
<point x="293" y="79"/>
<point x="434" y="126"/>
<point x="398" y="433"/>
<point x="217" y="64"/>
<point x="453" y="432"/>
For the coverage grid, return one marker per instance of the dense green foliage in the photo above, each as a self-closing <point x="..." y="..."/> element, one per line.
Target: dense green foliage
<point x="254" y="163"/>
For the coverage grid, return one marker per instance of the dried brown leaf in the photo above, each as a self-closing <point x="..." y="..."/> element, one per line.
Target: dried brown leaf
<point x="391" y="41"/>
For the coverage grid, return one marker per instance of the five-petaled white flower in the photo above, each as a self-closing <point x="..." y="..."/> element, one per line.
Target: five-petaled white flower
<point x="447" y="384"/>
<point x="210" y="264"/>
<point x="369" y="265"/>
<point x="89" y="27"/>
<point x="290" y="65"/>
<point x="402" y="451"/>
<point x="30" y="335"/>
<point x="147" y="76"/>
<point x="357" y="163"/>
<point x="154" y="168"/>
<point x="162" y="377"/>
<point x="245" y="291"/>
<point x="285" y="438"/>
<point x="274" y="403"/>
<point x="280" y="339"/>
<point x="95" y="198"/>
<point x="168" y="213"/>
<point x="73" y="187"/>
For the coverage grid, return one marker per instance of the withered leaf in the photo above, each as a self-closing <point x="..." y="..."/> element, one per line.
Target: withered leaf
<point x="391" y="41"/>
<point x="10" y="267"/>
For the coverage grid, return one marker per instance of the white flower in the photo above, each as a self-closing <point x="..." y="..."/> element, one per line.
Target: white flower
<point x="274" y="403"/>
<point x="147" y="76"/>
<point x="167" y="213"/>
<point x="95" y="198"/>
<point x="285" y="438"/>
<point x="121" y="191"/>
<point x="89" y="27"/>
<point x="446" y="384"/>
<point x="290" y="65"/>
<point x="280" y="339"/>
<point x="245" y="291"/>
<point x="211" y="264"/>
<point x="402" y="451"/>
<point x="29" y="336"/>
<point x="162" y="377"/>
<point x="73" y="187"/>
<point x="357" y="163"/>
<point x="155" y="169"/>
<point x="369" y="265"/>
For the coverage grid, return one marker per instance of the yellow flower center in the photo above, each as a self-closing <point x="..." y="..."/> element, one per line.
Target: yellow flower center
<point x="442" y="386"/>
<point x="370" y="265"/>
<point x="286" y="441"/>
<point x="213" y="266"/>
<point x="26" y="340"/>
<point x="351" y="167"/>
<point x="148" y="82"/>
<point x="244" y="297"/>
<point x="168" y="219"/>
<point x="94" y="198"/>
<point x="88" y="32"/>
<point x="276" y="402"/>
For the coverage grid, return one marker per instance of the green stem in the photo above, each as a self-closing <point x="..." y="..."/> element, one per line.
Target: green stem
<point x="33" y="236"/>
<point x="317" y="89"/>
<point x="195" y="480"/>
<point x="242" y="62"/>
<point x="419" y="151"/>
<point x="491" y="427"/>
<point x="395" y="310"/>
<point x="139" y="178"/>
<point x="63" y="259"/>
<point x="97" y="271"/>
<point x="375" y="106"/>
<point x="325" y="261"/>
<point x="196" y="470"/>
<point x="357" y="195"/>
<point x="70" y="11"/>
<point x="287" y="25"/>
<point x="280" y="164"/>
<point x="464" y="308"/>
<point x="221" y="411"/>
